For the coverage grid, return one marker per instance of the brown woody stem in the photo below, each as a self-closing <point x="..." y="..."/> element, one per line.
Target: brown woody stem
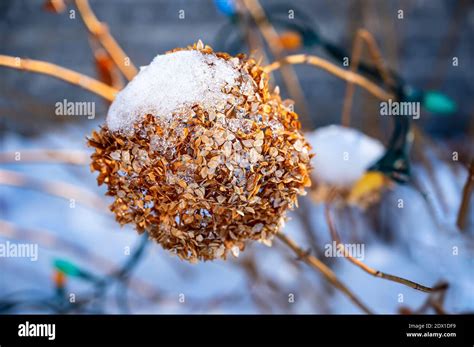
<point x="323" y="269"/>
<point x="61" y="73"/>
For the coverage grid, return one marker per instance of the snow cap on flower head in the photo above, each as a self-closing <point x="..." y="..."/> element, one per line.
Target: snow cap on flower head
<point x="197" y="152"/>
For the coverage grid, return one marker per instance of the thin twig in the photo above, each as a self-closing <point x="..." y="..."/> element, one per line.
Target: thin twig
<point x="278" y="51"/>
<point x="466" y="197"/>
<point x="333" y="69"/>
<point x="369" y="270"/>
<point x="101" y="32"/>
<point x="363" y="36"/>
<point x="74" y="157"/>
<point x="435" y="301"/>
<point x="323" y="269"/>
<point x="59" y="189"/>
<point x="61" y="73"/>
<point x="303" y="211"/>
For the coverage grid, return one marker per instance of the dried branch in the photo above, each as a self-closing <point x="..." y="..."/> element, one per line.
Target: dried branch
<point x="61" y="73"/>
<point x="101" y="32"/>
<point x="369" y="270"/>
<point x="466" y="197"/>
<point x="323" y="269"/>
<point x="74" y="157"/>
<point x="333" y="69"/>
<point x="435" y="301"/>
<point x="273" y="40"/>
<point x="363" y="36"/>
<point x="58" y="189"/>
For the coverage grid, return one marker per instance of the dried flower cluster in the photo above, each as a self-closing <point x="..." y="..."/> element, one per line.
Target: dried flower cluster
<point x="204" y="181"/>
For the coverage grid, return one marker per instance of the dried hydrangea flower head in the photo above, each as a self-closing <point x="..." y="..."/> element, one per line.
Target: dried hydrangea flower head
<point x="198" y="152"/>
<point x="342" y="157"/>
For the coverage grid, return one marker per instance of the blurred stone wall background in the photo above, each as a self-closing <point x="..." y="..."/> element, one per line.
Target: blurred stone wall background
<point x="420" y="47"/>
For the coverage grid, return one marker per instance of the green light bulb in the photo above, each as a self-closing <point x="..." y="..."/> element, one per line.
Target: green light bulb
<point x="437" y="102"/>
<point x="67" y="267"/>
